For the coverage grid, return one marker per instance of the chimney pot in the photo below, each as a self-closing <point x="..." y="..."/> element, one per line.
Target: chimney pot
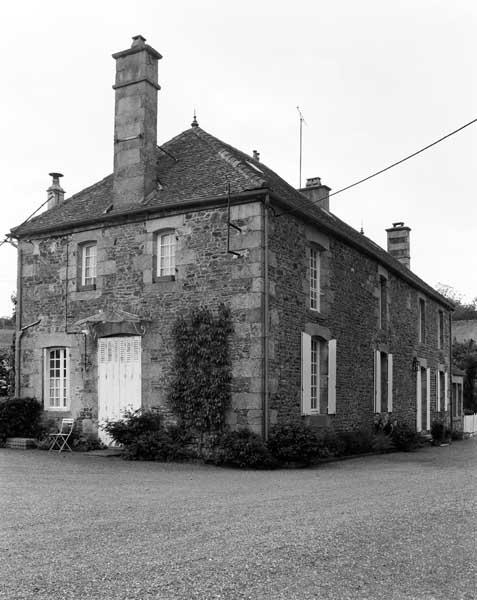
<point x="138" y="40"/>
<point x="313" y="181"/>
<point x="256" y="155"/>
<point x="56" y="194"/>
<point x="318" y="193"/>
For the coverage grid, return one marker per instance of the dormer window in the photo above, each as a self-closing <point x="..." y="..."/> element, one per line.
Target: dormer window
<point x="165" y="252"/>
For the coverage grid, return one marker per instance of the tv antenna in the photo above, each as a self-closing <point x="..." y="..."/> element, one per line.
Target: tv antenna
<point x="302" y="120"/>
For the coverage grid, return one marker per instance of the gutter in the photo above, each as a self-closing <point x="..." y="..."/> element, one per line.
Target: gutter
<point x="266" y="322"/>
<point x="18" y="323"/>
<point x="450" y="374"/>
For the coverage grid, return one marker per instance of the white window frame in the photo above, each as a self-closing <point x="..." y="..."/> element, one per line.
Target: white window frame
<point x="378" y="383"/>
<point x="440" y="329"/>
<point x="166" y="253"/>
<point x="383" y="302"/>
<point x="88" y="263"/>
<point x="315" y="278"/>
<point x="422" y="319"/>
<point x="59" y="383"/>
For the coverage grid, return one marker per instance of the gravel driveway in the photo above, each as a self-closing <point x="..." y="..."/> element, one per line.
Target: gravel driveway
<point x="397" y="526"/>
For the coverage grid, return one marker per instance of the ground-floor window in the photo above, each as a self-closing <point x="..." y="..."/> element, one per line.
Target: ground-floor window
<point x="383" y="382"/>
<point x="318" y="375"/>
<point x="56" y="389"/>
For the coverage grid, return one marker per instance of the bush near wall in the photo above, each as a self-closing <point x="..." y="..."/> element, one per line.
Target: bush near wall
<point x="20" y="417"/>
<point x="144" y="436"/>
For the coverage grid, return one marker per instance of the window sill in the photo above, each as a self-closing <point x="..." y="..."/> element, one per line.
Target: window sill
<point x="86" y="288"/>
<point x="57" y="408"/>
<point x="164" y="278"/>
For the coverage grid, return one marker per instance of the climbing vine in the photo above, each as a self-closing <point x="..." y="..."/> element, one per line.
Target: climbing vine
<point x="202" y="371"/>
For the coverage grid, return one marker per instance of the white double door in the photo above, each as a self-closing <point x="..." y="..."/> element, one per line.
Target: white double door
<point x="119" y="379"/>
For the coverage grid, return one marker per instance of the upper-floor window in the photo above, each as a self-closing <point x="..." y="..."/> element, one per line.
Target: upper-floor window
<point x="440" y="329"/>
<point x="422" y="320"/>
<point x="56" y="379"/>
<point x="383" y="302"/>
<point x="315" y="288"/>
<point x="165" y="253"/>
<point x="88" y="257"/>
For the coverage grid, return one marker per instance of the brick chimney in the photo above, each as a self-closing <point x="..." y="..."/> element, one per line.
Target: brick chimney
<point x="316" y="192"/>
<point x="398" y="243"/>
<point x="56" y="194"/>
<point x="135" y="123"/>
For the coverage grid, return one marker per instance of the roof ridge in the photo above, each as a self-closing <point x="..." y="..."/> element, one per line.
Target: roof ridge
<point x="226" y="153"/>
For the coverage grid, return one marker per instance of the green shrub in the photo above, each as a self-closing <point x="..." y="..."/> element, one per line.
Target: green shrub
<point x="295" y="442"/>
<point x="404" y="438"/>
<point x="457" y="435"/>
<point x="19" y="417"/>
<point x="243" y="449"/>
<point x="359" y="441"/>
<point x="382" y="442"/>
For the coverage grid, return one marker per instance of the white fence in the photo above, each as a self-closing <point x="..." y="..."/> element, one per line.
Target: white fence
<point x="470" y="423"/>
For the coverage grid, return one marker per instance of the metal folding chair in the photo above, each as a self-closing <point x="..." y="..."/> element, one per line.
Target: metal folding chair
<point x="60" y="439"/>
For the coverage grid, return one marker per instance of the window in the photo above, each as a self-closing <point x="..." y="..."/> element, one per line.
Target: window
<point x="318" y="375"/>
<point x="383" y="382"/>
<point x="315" y="376"/>
<point x="315" y="263"/>
<point x="88" y="265"/>
<point x="422" y="321"/>
<point x="165" y="254"/>
<point x="383" y="301"/>
<point x="56" y="379"/>
<point x="440" y="329"/>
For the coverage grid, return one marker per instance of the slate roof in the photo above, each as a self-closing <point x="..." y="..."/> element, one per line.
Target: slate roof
<point x="195" y="165"/>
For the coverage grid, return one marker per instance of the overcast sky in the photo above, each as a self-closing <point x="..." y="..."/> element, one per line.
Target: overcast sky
<point x="375" y="81"/>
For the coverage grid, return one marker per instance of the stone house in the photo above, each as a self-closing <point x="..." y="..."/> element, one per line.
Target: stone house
<point x="328" y="326"/>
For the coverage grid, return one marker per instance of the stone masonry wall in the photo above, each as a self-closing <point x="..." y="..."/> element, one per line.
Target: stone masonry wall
<point x="205" y="275"/>
<point x="350" y="314"/>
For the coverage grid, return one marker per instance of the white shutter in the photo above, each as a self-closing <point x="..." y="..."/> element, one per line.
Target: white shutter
<point x="428" y="398"/>
<point x="446" y="391"/>
<point x="390" y="383"/>
<point x="418" y="401"/>
<point x="332" y="377"/>
<point x="305" y="373"/>
<point x="438" y="390"/>
<point x="377" y="381"/>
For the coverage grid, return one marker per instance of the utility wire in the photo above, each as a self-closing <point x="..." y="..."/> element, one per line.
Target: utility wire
<point x="23" y="222"/>
<point x="390" y="166"/>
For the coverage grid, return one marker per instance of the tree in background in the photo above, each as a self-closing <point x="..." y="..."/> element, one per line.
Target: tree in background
<point x="463" y="310"/>
<point x="464" y="354"/>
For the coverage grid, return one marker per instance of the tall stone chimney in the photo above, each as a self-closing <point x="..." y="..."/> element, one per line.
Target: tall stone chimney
<point x="398" y="243"/>
<point x="135" y="123"/>
<point x="316" y="192"/>
<point x="56" y="194"/>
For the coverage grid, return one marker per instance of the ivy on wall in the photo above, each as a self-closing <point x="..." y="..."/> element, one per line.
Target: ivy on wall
<point x="202" y="369"/>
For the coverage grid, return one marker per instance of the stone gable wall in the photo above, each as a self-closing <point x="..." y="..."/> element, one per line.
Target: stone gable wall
<point x="206" y="275"/>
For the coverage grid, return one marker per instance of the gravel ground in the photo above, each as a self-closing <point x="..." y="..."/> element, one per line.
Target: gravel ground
<point x="400" y="526"/>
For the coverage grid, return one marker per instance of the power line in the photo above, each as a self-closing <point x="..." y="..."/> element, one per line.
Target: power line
<point x="404" y="159"/>
<point x="448" y="135"/>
